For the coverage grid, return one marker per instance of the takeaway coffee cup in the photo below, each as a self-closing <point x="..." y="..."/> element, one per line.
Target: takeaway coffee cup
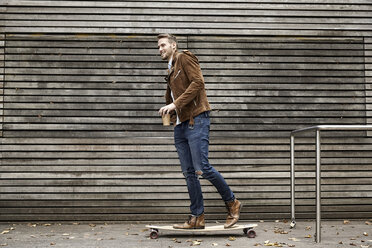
<point x="166" y="119"/>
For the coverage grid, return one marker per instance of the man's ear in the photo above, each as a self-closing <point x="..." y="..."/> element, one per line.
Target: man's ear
<point x="174" y="45"/>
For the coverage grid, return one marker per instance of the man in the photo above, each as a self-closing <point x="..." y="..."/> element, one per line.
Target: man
<point x="187" y="102"/>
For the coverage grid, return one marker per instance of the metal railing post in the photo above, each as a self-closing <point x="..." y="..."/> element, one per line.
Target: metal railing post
<point x="318" y="187"/>
<point x="318" y="165"/>
<point x="293" y="218"/>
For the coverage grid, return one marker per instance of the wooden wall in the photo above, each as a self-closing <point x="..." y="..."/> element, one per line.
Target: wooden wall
<point x="83" y="82"/>
<point x="368" y="73"/>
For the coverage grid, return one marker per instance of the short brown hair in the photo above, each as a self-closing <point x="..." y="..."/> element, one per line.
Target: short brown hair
<point x="170" y="37"/>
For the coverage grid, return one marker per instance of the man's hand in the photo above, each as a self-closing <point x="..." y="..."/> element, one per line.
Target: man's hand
<point x="167" y="109"/>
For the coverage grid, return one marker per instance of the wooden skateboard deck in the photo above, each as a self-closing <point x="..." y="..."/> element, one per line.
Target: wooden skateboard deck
<point x="247" y="229"/>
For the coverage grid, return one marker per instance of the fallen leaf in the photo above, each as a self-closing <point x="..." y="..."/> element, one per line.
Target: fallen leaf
<point x="346" y="222"/>
<point x="267" y="243"/>
<point x="176" y="241"/>
<point x="214" y="244"/>
<point x="352" y="244"/>
<point x="52" y="243"/>
<point x="308" y="236"/>
<point x="45" y="224"/>
<point x="257" y="244"/>
<point x="294" y="239"/>
<point x="227" y="244"/>
<point x="65" y="234"/>
<point x="5" y="232"/>
<point x="231" y="238"/>
<point x="92" y="225"/>
<point x="76" y="223"/>
<point x="365" y="234"/>
<point x="195" y="242"/>
<point x="291" y="246"/>
<point x="5" y="244"/>
<point x="32" y="236"/>
<point x="308" y="228"/>
<point x="340" y="243"/>
<point x="368" y="223"/>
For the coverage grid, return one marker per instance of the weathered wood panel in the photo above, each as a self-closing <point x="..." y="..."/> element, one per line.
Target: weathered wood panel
<point x="332" y="18"/>
<point x="82" y="135"/>
<point x="2" y="72"/>
<point x="368" y="68"/>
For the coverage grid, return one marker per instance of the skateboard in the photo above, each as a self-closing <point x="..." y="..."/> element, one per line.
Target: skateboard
<point x="247" y="229"/>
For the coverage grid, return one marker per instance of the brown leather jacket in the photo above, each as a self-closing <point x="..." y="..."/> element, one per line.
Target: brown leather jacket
<point x="186" y="81"/>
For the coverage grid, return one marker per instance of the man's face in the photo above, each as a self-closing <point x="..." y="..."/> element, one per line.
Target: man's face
<point x="166" y="49"/>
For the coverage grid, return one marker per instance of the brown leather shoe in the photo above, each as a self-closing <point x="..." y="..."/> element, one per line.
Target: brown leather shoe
<point x="193" y="223"/>
<point x="233" y="209"/>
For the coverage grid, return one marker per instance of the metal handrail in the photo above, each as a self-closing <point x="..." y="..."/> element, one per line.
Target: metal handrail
<point x="318" y="164"/>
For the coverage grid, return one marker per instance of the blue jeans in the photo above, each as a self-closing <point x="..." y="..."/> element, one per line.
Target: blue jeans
<point x="192" y="144"/>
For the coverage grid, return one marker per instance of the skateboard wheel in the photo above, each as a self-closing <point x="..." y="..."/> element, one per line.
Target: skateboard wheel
<point x="251" y="234"/>
<point x="154" y="234"/>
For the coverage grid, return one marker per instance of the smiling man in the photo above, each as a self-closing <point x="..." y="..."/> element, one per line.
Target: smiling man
<point x="186" y="101"/>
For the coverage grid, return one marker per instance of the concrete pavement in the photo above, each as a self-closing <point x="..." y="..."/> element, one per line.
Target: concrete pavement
<point x="335" y="234"/>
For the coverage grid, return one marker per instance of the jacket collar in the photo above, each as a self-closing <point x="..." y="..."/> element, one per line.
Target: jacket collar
<point x="174" y="59"/>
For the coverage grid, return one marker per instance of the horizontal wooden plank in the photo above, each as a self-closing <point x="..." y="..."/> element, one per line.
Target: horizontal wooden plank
<point x="159" y="86"/>
<point x="185" y="24"/>
<point x="195" y="5"/>
<point x="304" y="50"/>
<point x="109" y="100"/>
<point x="174" y="181"/>
<point x="160" y="93"/>
<point x="336" y="142"/>
<point x="193" y="31"/>
<point x="164" y="145"/>
<point x="146" y="128"/>
<point x="33" y="67"/>
<point x="157" y="210"/>
<point x="202" y="18"/>
<point x="179" y="217"/>
<point x="364" y="190"/>
<point x="169" y="196"/>
<point x="148" y="175"/>
<point x="163" y="133"/>
<point x="180" y="203"/>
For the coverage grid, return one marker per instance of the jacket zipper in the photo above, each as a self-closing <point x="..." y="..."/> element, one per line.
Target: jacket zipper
<point x="176" y="75"/>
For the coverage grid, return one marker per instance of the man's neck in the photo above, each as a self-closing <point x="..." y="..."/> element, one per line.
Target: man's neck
<point x="172" y="55"/>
